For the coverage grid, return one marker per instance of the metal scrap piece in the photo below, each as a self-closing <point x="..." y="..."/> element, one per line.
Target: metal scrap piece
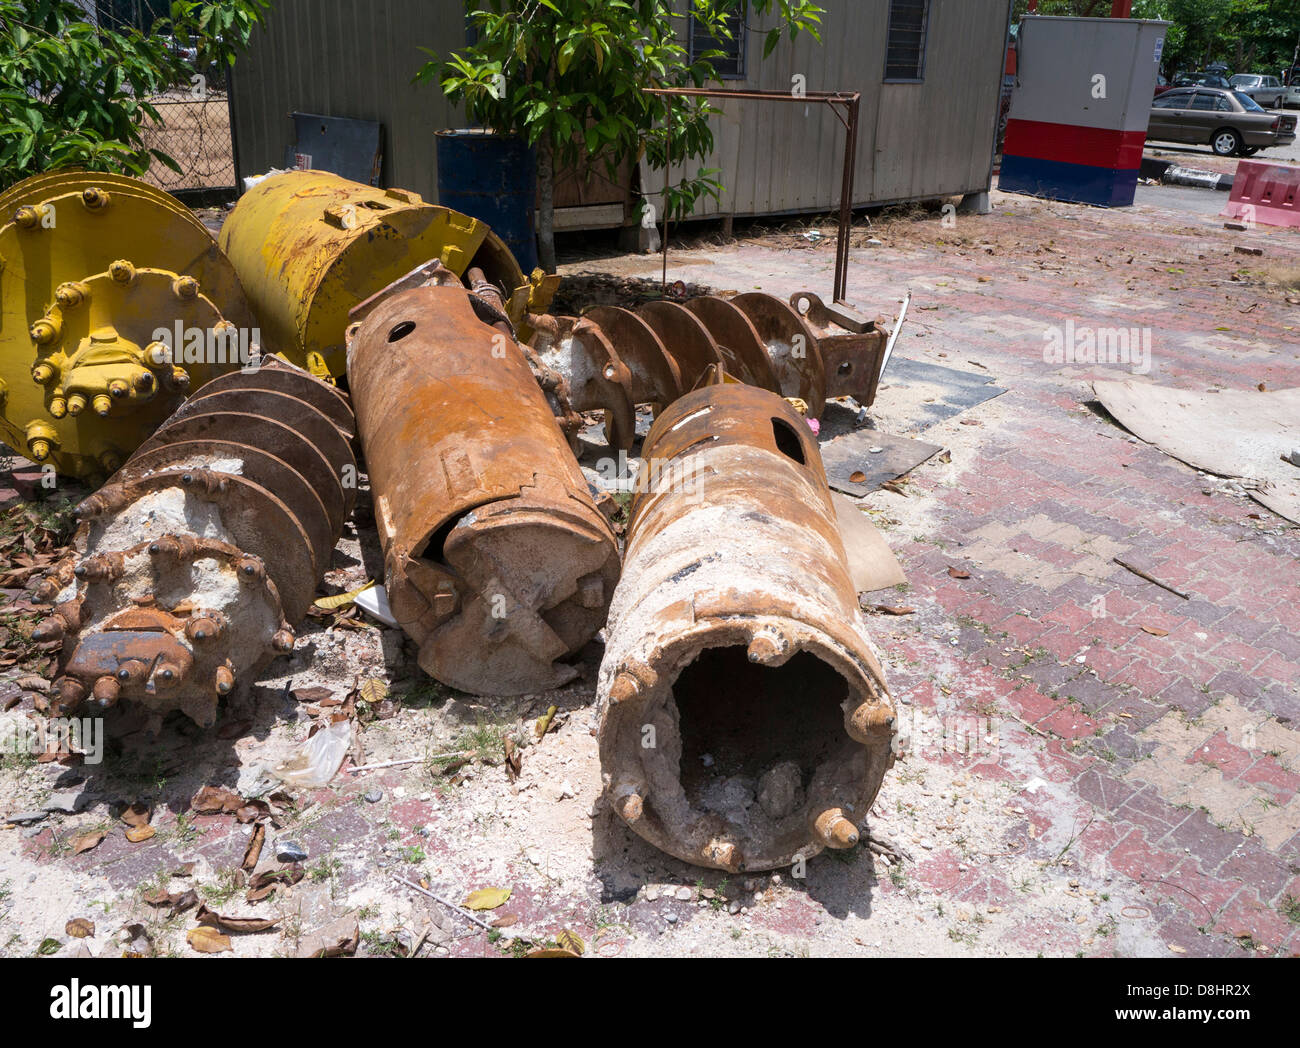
<point x="497" y="562"/>
<point x="744" y="716"/>
<point x="191" y="565"/>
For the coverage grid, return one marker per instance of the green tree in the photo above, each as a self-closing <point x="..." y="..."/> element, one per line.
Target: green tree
<point x="73" y="93"/>
<point x="1245" y="35"/>
<point x="567" y="76"/>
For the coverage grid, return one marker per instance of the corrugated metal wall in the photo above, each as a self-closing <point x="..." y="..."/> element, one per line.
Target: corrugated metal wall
<point x="915" y="141"/>
<point x="353" y="59"/>
<point x="348" y="58"/>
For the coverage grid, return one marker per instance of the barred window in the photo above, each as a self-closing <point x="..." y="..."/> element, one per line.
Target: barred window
<point x="905" y="48"/>
<point x="699" y="40"/>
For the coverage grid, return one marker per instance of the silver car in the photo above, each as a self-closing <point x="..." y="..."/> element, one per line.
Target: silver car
<point x="1268" y="91"/>
<point x="1231" y="123"/>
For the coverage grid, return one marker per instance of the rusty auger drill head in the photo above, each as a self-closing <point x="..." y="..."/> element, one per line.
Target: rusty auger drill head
<point x="496" y="560"/>
<point x="189" y="568"/>
<point x="744" y="717"/>
<point x="614" y="359"/>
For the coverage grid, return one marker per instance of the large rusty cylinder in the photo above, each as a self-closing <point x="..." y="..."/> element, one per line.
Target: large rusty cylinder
<point x="745" y="722"/>
<point x="115" y="302"/>
<point x="191" y="566"/>
<point x="309" y="245"/>
<point x="612" y="359"/>
<point x="496" y="560"/>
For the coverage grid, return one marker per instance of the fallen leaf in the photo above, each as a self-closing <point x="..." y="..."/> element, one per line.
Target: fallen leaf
<point x="254" y="850"/>
<point x="551" y="952"/>
<point x="544" y="722"/>
<point x="342" y="600"/>
<point x="505" y="920"/>
<point x="514" y="761"/>
<point x="80" y="928"/>
<point x="889" y="609"/>
<point x="211" y="919"/>
<point x="315" y="694"/>
<point x="958" y="573"/>
<point x="140" y="834"/>
<point x="49" y="946"/>
<point x="567" y="940"/>
<point x="87" y="841"/>
<point x="374" y="691"/>
<point x="213" y="800"/>
<point x="486" y="898"/>
<point x="1155" y="631"/>
<point x="137" y="814"/>
<point x="206" y="939"/>
<point x="857" y="476"/>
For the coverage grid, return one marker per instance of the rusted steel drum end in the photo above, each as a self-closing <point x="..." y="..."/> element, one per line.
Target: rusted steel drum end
<point x="745" y="719"/>
<point x="497" y="562"/>
<point x="191" y="565"/>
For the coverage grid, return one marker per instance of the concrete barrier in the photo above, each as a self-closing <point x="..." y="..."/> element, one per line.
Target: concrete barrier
<point x="1265" y="193"/>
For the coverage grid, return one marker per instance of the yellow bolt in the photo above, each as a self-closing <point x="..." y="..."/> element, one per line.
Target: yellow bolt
<point x="46" y="330"/>
<point x="119" y="389"/>
<point x="158" y="353"/>
<point x="185" y="287"/>
<point x="102" y="406"/>
<point x="58" y="407"/>
<point x="42" y="373"/>
<point x="39" y="449"/>
<point x="70" y="295"/>
<point x="94" y="198"/>
<point x="76" y="404"/>
<point x="122" y="271"/>
<point x="27" y="217"/>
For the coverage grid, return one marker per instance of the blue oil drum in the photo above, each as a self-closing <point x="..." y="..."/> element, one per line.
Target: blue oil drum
<point x="492" y="178"/>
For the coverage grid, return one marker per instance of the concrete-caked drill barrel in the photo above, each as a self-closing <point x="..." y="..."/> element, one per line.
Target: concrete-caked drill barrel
<point x="745" y="721"/>
<point x="115" y="302"/>
<point x="309" y="245"/>
<point x="191" y="566"/>
<point x="496" y="560"/>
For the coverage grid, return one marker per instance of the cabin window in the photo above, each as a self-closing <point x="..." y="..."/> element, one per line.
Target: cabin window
<point x="905" y="46"/>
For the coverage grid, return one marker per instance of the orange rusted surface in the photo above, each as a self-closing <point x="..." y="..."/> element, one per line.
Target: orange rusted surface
<point x="496" y="561"/>
<point x="191" y="565"/>
<point x="614" y="359"/>
<point x="745" y="722"/>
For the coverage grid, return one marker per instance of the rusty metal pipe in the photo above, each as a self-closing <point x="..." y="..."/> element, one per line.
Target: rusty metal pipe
<point x="744" y="717"/>
<point x="496" y="560"/>
<point x="613" y="359"/>
<point x="191" y="565"/>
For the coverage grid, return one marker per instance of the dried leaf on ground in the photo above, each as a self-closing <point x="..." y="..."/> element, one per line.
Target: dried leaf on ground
<point x="140" y="834"/>
<point x="213" y="800"/>
<point x="87" y="841"/>
<point x="80" y="927"/>
<point x="211" y="919"/>
<point x="958" y="573"/>
<point x="486" y="898"/>
<point x="206" y="939"/>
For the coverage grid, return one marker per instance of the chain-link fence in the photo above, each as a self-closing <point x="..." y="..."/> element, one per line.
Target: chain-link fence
<point x="195" y="132"/>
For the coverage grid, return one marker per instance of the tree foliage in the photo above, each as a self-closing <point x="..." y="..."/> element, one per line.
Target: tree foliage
<point x="567" y="76"/>
<point x="73" y="93"/>
<point x="1246" y="35"/>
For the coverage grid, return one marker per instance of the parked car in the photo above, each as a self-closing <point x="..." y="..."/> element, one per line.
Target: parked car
<point x="1293" y="90"/>
<point x="1232" y="124"/>
<point x="1206" y="79"/>
<point x="1266" y="90"/>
